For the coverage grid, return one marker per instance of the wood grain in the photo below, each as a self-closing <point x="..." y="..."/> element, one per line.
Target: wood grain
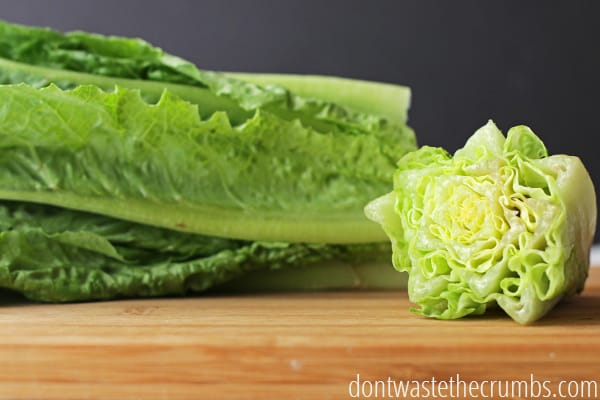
<point x="278" y="346"/>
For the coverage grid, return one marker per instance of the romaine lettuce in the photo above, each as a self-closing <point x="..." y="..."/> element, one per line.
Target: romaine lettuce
<point x="499" y="222"/>
<point x="127" y="171"/>
<point x="56" y="254"/>
<point x="114" y="154"/>
<point x="232" y="158"/>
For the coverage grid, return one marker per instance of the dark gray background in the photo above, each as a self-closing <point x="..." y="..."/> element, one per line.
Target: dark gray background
<point x="516" y="62"/>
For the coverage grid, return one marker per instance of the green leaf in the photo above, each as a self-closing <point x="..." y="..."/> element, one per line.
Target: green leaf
<point x="41" y="56"/>
<point x="114" y="154"/>
<point x="383" y="99"/>
<point x="57" y="255"/>
<point x="520" y="139"/>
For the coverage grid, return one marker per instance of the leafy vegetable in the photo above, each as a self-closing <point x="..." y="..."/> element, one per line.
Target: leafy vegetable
<point x="500" y="222"/>
<point x="56" y="254"/>
<point x="40" y="56"/>
<point x="127" y="171"/>
<point x="112" y="153"/>
<point x="258" y="163"/>
<point x="383" y="99"/>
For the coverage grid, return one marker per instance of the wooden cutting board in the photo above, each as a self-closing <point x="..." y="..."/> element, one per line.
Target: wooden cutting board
<point x="279" y="346"/>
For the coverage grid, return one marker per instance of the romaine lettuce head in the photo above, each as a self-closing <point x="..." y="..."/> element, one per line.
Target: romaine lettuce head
<point x="499" y="222"/>
<point x="126" y="171"/>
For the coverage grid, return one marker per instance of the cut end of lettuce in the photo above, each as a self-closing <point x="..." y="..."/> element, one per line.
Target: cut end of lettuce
<point x="499" y="222"/>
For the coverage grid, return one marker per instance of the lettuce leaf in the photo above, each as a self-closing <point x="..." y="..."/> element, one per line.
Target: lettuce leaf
<point x="312" y="164"/>
<point x="500" y="222"/>
<point x="114" y="154"/>
<point x="56" y="255"/>
<point x="40" y="56"/>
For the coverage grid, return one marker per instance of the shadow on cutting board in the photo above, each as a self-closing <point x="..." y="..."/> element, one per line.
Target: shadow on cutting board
<point x="578" y="310"/>
<point x="575" y="310"/>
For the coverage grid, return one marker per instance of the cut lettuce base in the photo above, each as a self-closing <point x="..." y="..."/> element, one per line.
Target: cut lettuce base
<point x="499" y="222"/>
